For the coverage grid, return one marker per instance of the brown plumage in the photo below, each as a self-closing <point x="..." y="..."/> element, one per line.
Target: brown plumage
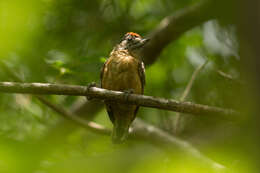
<point x="124" y="71"/>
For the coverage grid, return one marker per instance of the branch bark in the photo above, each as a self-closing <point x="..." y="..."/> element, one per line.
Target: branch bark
<point x="173" y="26"/>
<point x="99" y="93"/>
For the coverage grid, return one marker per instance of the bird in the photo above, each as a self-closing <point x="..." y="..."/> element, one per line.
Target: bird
<point x="124" y="71"/>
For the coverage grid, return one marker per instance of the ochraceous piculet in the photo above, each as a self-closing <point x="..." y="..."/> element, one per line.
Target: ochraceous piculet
<point x="124" y="71"/>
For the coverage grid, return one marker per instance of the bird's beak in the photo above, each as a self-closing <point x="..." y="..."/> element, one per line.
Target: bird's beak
<point x="142" y="43"/>
<point x="145" y="40"/>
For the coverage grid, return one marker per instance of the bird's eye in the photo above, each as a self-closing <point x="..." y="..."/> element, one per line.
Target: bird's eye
<point x="129" y="38"/>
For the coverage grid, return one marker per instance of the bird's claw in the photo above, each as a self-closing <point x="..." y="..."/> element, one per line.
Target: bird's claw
<point x="128" y="92"/>
<point x="92" y="84"/>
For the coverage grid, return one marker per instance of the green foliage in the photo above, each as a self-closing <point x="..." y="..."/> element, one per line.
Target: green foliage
<point x="67" y="41"/>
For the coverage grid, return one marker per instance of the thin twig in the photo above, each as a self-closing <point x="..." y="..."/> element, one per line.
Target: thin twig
<point x="192" y="79"/>
<point x="186" y="92"/>
<point x="229" y="77"/>
<point x="92" y="126"/>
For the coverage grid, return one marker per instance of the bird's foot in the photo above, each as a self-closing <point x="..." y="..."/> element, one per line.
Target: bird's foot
<point x="92" y="84"/>
<point x="128" y="92"/>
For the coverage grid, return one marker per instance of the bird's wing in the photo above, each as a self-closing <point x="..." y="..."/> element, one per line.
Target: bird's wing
<point x="102" y="72"/>
<point x="108" y="107"/>
<point x="110" y="112"/>
<point x="141" y="72"/>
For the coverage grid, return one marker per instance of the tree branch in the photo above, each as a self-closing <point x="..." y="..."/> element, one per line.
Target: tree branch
<point x="169" y="30"/>
<point x="92" y="126"/>
<point x="173" y="26"/>
<point x="94" y="92"/>
<point x="159" y="137"/>
<point x="140" y="129"/>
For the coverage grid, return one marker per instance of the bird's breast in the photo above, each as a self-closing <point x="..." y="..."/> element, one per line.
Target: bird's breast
<point x="121" y="73"/>
<point x="123" y="65"/>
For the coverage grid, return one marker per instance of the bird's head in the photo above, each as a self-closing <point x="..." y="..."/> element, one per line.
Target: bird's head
<point x="133" y="43"/>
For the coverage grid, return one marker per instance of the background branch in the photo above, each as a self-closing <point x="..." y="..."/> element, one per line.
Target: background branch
<point x="146" y="131"/>
<point x="92" y="126"/>
<point x="173" y="26"/>
<point x="140" y="130"/>
<point x="186" y="92"/>
<point x="191" y="81"/>
<point x="229" y="77"/>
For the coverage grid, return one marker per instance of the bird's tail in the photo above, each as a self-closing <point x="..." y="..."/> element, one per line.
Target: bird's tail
<point x="120" y="133"/>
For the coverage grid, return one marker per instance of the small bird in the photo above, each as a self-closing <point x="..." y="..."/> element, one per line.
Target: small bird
<point x="124" y="71"/>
